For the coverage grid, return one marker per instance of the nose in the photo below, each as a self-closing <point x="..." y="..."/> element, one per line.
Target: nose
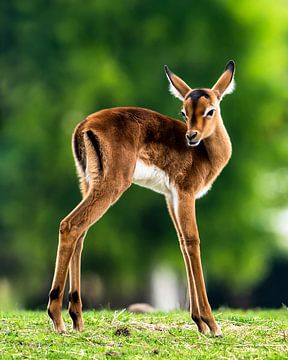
<point x="191" y="135"/>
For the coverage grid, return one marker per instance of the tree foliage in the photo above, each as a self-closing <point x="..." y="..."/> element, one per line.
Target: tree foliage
<point x="63" y="60"/>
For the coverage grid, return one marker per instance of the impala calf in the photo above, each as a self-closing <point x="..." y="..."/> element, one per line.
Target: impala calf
<point x="116" y="147"/>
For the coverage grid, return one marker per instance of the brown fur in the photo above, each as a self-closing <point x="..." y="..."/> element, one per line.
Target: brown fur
<point x="106" y="147"/>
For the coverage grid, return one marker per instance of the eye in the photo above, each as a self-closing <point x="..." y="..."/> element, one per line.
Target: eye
<point x="183" y="114"/>
<point x="210" y="113"/>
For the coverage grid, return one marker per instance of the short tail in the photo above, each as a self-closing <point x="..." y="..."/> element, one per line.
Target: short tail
<point x="87" y="153"/>
<point x="79" y="152"/>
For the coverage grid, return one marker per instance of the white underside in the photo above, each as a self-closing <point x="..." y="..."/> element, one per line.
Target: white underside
<point x="153" y="178"/>
<point x="203" y="191"/>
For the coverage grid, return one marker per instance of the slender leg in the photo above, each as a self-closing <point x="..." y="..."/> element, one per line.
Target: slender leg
<point x="90" y="209"/>
<point x="194" y="308"/>
<point x="187" y="221"/>
<point x="75" y="303"/>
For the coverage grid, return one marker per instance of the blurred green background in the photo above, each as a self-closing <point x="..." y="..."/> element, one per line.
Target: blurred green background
<point x="61" y="60"/>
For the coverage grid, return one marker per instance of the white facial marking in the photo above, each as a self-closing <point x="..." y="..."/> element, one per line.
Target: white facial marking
<point x="151" y="177"/>
<point x="183" y="113"/>
<point x="209" y="109"/>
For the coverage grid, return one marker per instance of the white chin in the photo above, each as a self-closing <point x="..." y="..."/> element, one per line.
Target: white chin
<point x="196" y="143"/>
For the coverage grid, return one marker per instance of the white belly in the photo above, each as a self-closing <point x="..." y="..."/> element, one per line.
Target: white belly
<point x="203" y="191"/>
<point x="151" y="177"/>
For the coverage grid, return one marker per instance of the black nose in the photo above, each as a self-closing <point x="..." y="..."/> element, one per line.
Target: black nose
<point x="192" y="135"/>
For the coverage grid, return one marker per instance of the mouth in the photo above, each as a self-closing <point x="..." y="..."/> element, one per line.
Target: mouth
<point x="193" y="142"/>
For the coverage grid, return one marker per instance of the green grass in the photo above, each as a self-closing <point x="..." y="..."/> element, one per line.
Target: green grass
<point x="121" y="335"/>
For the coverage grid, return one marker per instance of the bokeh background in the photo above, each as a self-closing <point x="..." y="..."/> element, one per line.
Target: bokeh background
<point x="61" y="60"/>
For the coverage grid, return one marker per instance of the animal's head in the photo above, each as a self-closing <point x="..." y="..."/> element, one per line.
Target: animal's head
<point x="201" y="106"/>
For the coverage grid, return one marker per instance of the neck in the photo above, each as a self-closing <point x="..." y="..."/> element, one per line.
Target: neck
<point x="218" y="147"/>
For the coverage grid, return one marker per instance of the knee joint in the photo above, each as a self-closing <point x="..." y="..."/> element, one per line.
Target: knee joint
<point x="64" y="227"/>
<point x="67" y="228"/>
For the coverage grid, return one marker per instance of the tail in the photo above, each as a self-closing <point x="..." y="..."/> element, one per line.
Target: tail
<point x="79" y="152"/>
<point x="87" y="154"/>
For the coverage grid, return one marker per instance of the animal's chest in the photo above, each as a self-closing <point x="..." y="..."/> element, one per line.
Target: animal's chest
<point x="151" y="177"/>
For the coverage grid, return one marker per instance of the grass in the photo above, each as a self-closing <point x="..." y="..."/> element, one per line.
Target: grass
<point x="122" y="335"/>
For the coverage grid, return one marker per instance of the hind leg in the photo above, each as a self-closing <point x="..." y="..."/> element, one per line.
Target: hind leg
<point x="75" y="303"/>
<point x="90" y="209"/>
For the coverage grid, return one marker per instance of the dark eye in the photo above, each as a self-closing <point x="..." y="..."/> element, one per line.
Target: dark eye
<point x="210" y="113"/>
<point x="183" y="114"/>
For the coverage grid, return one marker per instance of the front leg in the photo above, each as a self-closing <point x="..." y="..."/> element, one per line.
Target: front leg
<point x="187" y="222"/>
<point x="193" y="299"/>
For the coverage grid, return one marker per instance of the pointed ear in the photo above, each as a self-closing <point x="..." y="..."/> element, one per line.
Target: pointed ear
<point x="177" y="87"/>
<point x="225" y="84"/>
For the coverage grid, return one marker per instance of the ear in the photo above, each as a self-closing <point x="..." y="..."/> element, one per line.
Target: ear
<point x="225" y="84"/>
<point x="177" y="87"/>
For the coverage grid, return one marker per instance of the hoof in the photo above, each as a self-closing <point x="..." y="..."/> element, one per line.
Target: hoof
<point x="78" y="327"/>
<point x="60" y="329"/>
<point x="59" y="325"/>
<point x="217" y="333"/>
<point x="77" y="320"/>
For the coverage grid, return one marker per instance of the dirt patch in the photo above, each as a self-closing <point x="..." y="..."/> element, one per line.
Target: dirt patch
<point x="122" y="331"/>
